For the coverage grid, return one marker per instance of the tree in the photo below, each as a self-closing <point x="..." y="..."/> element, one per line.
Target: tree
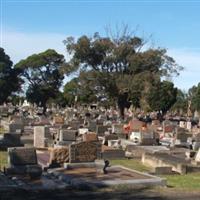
<point x="194" y="97"/>
<point x="9" y="77"/>
<point x="181" y="104"/>
<point x="81" y="89"/>
<point x="42" y="72"/>
<point x="117" y="62"/>
<point x="162" y="96"/>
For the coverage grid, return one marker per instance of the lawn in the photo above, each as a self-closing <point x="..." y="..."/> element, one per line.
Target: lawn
<point x="189" y="181"/>
<point x="3" y="159"/>
<point x="2" y="130"/>
<point x="132" y="164"/>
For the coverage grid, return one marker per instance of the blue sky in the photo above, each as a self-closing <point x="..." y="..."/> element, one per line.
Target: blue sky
<point x="30" y="26"/>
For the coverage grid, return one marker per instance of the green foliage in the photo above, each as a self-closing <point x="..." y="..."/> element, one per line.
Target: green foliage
<point x="181" y="104"/>
<point x="9" y="77"/>
<point x="42" y="71"/>
<point x="194" y="96"/>
<point x="162" y="96"/>
<point x="118" y="63"/>
<point x="81" y="90"/>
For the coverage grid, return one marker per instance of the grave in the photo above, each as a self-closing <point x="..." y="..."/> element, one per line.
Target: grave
<point x="10" y="140"/>
<point x="89" y="137"/>
<point x="16" y="127"/>
<point x="23" y="161"/>
<point x="58" y="156"/>
<point x="84" y="152"/>
<point x="42" y="137"/>
<point x="112" y="153"/>
<point x="101" y="129"/>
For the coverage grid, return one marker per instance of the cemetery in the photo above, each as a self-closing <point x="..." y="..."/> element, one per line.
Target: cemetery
<point x="93" y="110"/>
<point x="63" y="151"/>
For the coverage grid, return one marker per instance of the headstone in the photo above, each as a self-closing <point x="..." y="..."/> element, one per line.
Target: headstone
<point x="182" y="124"/>
<point x="197" y="157"/>
<point x="75" y="125"/>
<point x="42" y="136"/>
<point x="89" y="137"/>
<point x="92" y="126"/>
<point x="67" y="135"/>
<point x="136" y="137"/>
<point x="12" y="139"/>
<point x="22" y="156"/>
<point x="14" y="127"/>
<point x="58" y="156"/>
<point x="23" y="161"/>
<point x="82" y="131"/>
<point x="117" y="128"/>
<point x="101" y="129"/>
<point x="189" y="125"/>
<point x="84" y="152"/>
<point x="58" y="120"/>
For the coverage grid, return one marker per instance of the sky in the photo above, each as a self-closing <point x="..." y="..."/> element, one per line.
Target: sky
<point x="32" y="26"/>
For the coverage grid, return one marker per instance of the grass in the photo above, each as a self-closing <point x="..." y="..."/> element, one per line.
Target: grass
<point x="132" y="164"/>
<point x="3" y="159"/>
<point x="189" y="182"/>
<point x="2" y="131"/>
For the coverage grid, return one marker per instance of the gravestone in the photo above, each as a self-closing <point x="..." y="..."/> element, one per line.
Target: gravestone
<point x="15" y="127"/>
<point x="67" y="135"/>
<point x="58" y="120"/>
<point x="22" y="156"/>
<point x="90" y="137"/>
<point x="117" y="128"/>
<point x="12" y="139"/>
<point x="58" y="156"/>
<point x="84" y="152"/>
<point x="92" y="126"/>
<point x="101" y="129"/>
<point x="197" y="157"/>
<point x="75" y="125"/>
<point x="23" y="161"/>
<point x="42" y="137"/>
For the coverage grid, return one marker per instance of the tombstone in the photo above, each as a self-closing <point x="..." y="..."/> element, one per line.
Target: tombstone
<point x="100" y="129"/>
<point x="12" y="139"/>
<point x="136" y="137"/>
<point x="16" y="127"/>
<point x="89" y="137"/>
<point x="23" y="161"/>
<point x="182" y="135"/>
<point x="92" y="126"/>
<point x="42" y="137"/>
<point x="182" y="124"/>
<point x="189" y="126"/>
<point x="58" y="156"/>
<point x="67" y="135"/>
<point x="82" y="131"/>
<point x="117" y="128"/>
<point x="136" y="124"/>
<point x="112" y="153"/>
<point x="197" y="157"/>
<point x="58" y="120"/>
<point x="75" y="125"/>
<point x="84" y="152"/>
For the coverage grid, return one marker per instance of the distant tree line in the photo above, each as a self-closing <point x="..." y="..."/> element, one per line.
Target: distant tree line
<point x="114" y="71"/>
